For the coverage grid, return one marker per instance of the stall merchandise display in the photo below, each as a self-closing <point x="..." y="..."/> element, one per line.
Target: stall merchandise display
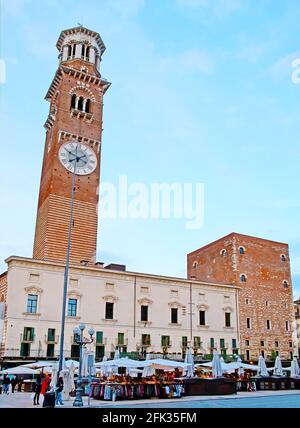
<point x="112" y="391"/>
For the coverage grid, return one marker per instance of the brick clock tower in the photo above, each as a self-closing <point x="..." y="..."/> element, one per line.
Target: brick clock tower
<point x="73" y="128"/>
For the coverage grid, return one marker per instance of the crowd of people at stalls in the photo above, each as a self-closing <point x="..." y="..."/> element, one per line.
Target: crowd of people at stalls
<point x="41" y="385"/>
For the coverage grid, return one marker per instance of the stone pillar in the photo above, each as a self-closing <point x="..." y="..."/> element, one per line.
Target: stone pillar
<point x="78" y="50"/>
<point x="65" y="53"/>
<point x="76" y="103"/>
<point x="92" y="54"/>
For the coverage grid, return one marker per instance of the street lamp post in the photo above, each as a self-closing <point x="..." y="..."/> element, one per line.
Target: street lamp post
<point x="82" y="342"/>
<point x="66" y="274"/>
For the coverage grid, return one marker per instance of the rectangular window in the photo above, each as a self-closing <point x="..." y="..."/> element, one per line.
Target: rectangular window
<point x="109" y="311"/>
<point x="263" y="354"/>
<point x="248" y="323"/>
<point x="222" y="343"/>
<point x="72" y="308"/>
<point x="32" y="303"/>
<point x="247" y="342"/>
<point x="99" y="336"/>
<point x="144" y="313"/>
<point x="212" y="342"/>
<point x="197" y="342"/>
<point x="202" y="317"/>
<point x="100" y="351"/>
<point x="276" y="344"/>
<point x="75" y="351"/>
<point x="146" y="339"/>
<point x="50" y="350"/>
<point x="28" y="335"/>
<point x="51" y="335"/>
<point x="227" y="319"/>
<point x="268" y="325"/>
<point x="287" y="326"/>
<point x="290" y="344"/>
<point x="234" y="344"/>
<point x="174" y="315"/>
<point x="165" y="340"/>
<point x="262" y="343"/>
<point x="184" y="341"/>
<point x="120" y="338"/>
<point x="247" y="355"/>
<point x="25" y="350"/>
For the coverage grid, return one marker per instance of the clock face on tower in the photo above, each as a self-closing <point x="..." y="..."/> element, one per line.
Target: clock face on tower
<point x="79" y="156"/>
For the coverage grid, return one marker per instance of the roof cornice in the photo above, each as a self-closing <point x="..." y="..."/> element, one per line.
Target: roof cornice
<point x="83" y="30"/>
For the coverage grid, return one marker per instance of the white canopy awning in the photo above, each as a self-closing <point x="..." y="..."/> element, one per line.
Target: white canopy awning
<point x="20" y="370"/>
<point x="231" y="367"/>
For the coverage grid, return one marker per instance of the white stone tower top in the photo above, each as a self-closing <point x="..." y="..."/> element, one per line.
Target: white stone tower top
<point x="80" y="43"/>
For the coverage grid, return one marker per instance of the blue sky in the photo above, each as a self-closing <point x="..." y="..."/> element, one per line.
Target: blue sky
<point x="201" y="92"/>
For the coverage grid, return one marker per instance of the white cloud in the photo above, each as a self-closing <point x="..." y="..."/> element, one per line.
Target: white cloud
<point x="192" y="61"/>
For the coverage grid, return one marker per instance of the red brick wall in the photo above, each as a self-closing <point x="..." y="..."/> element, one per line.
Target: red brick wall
<point x="55" y="188"/>
<point x="265" y="272"/>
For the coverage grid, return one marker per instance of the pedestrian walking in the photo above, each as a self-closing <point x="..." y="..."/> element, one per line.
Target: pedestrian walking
<point x="59" y="389"/>
<point x="6" y="383"/>
<point x="45" y="384"/>
<point x="14" y="382"/>
<point x="20" y="382"/>
<point x="37" y="391"/>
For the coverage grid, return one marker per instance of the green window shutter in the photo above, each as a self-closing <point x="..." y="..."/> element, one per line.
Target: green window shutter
<point x="99" y="337"/>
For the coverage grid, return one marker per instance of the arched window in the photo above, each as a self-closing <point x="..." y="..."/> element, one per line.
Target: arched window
<point x="80" y="104"/>
<point x="69" y="51"/>
<point x="73" y="50"/>
<point x="285" y="283"/>
<point x="87" y="106"/>
<point x="283" y="257"/>
<point x="241" y="250"/>
<point x="195" y="265"/>
<point x="73" y="101"/>
<point x="83" y="51"/>
<point x="87" y="53"/>
<point x="223" y="253"/>
<point x="243" y="277"/>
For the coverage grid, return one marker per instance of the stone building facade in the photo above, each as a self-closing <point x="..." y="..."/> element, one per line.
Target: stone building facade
<point x="133" y="312"/>
<point x="261" y="269"/>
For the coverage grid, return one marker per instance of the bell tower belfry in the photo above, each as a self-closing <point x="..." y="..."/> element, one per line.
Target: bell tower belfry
<point x="74" y="121"/>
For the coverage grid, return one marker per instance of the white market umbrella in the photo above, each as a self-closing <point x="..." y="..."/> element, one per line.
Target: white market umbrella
<point x="148" y="371"/>
<point x="123" y="362"/>
<point x="278" y="367"/>
<point x="104" y="358"/>
<point x="65" y="374"/>
<point x="216" y="365"/>
<point x="54" y="373"/>
<point x="39" y="364"/>
<point x="84" y="366"/>
<point x="20" y="370"/>
<point x="164" y="364"/>
<point x="117" y="354"/>
<point x="241" y="368"/>
<point x="295" y="371"/>
<point x="262" y="368"/>
<point x="189" y="359"/>
<point x="68" y="363"/>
